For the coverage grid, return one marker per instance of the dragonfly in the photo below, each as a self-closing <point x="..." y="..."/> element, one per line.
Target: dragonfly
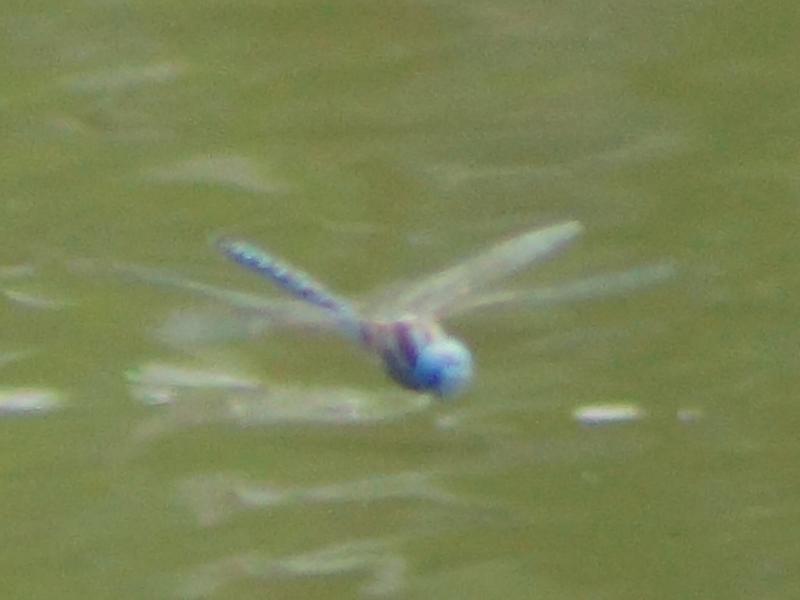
<point x="406" y="332"/>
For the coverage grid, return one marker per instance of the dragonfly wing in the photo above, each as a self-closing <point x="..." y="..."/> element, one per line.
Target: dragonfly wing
<point x="436" y="294"/>
<point x="257" y="312"/>
<point x="195" y="326"/>
<point x="592" y="288"/>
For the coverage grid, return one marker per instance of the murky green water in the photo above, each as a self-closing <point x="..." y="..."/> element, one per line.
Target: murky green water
<point x="373" y="142"/>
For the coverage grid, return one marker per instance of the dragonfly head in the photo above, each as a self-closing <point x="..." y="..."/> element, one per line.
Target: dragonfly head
<point x="444" y="367"/>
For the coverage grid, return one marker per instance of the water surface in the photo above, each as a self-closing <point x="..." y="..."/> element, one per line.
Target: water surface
<point x="369" y="143"/>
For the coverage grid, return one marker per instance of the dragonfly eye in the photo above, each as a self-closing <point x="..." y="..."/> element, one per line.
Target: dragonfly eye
<point x="444" y="367"/>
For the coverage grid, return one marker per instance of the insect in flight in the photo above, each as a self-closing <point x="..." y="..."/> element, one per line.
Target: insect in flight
<point x="406" y="333"/>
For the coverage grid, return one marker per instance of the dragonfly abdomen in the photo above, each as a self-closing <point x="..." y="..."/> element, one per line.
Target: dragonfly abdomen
<point x="298" y="284"/>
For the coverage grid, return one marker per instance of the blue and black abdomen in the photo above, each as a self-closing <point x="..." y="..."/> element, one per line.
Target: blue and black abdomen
<point x="298" y="284"/>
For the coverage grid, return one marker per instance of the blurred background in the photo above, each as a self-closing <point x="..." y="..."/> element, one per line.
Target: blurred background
<point x="374" y="142"/>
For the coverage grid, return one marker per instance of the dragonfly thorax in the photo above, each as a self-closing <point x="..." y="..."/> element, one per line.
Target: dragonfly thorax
<point x="419" y="355"/>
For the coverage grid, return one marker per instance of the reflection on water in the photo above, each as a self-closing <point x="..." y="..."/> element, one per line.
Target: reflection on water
<point x="34" y="300"/>
<point x="182" y="396"/>
<point x="377" y="561"/>
<point x="123" y="79"/>
<point x="605" y="414"/>
<point x="197" y="396"/>
<point x="237" y="172"/>
<point x="19" y="286"/>
<point x="29" y="401"/>
<point x="215" y="498"/>
<point x="12" y="356"/>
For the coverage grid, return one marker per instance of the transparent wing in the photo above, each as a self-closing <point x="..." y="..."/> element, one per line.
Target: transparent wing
<point x="600" y="286"/>
<point x="253" y="314"/>
<point x="437" y="294"/>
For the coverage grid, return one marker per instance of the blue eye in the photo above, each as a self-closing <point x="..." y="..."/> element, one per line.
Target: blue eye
<point x="444" y="367"/>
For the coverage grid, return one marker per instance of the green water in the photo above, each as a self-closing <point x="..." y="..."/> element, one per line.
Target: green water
<point x="372" y="142"/>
